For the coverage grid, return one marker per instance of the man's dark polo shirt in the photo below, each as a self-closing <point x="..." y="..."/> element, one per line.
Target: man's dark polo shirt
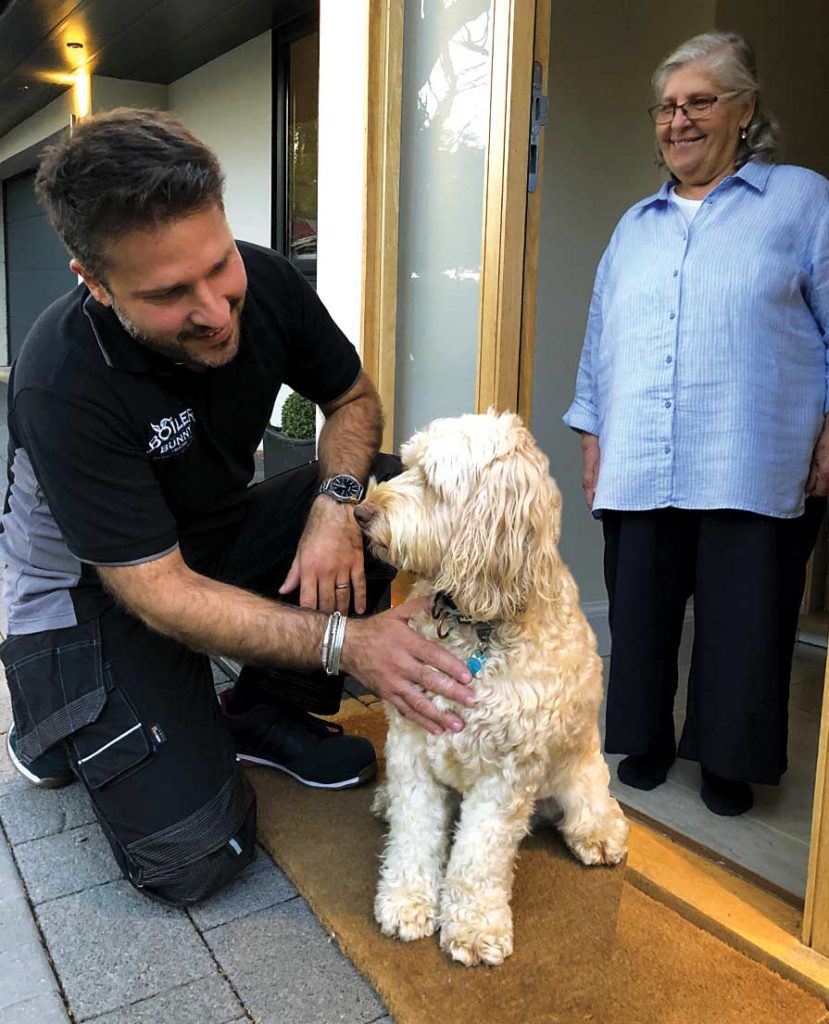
<point x="118" y="455"/>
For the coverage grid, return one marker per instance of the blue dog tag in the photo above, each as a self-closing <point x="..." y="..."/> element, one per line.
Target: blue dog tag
<point x="476" y="663"/>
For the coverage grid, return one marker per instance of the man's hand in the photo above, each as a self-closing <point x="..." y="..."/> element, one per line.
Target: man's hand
<point x="590" y="466"/>
<point x="397" y="664"/>
<point x="329" y="560"/>
<point x="817" y="486"/>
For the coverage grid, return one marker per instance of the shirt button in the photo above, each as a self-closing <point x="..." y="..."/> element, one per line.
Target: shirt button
<point x="676" y="273"/>
<point x="667" y="404"/>
<point x="684" y="236"/>
<point x="669" y="359"/>
<point x="667" y="449"/>
<point x="671" y="315"/>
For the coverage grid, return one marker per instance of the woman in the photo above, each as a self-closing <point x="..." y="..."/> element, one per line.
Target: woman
<point x="701" y="400"/>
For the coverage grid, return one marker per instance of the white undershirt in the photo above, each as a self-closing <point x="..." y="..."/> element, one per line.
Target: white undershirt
<point x="688" y="207"/>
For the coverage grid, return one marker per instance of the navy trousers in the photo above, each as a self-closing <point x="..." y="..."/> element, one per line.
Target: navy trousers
<point x="746" y="573"/>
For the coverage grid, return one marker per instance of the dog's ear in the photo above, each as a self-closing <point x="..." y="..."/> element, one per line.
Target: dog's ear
<point x="503" y="555"/>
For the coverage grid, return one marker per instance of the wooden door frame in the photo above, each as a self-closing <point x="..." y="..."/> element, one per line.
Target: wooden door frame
<point x="512" y="215"/>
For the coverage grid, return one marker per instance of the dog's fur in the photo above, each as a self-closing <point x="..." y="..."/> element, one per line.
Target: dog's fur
<point x="476" y="515"/>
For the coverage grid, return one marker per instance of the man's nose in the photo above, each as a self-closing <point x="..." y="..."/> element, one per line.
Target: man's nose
<point x="210" y="310"/>
<point x="364" y="513"/>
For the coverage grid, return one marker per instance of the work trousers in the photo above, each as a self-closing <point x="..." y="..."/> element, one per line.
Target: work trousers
<point x="746" y="573"/>
<point x="157" y="758"/>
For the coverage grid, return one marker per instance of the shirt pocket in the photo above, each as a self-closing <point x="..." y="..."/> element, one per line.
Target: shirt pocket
<point x="56" y="683"/>
<point x="113" y="745"/>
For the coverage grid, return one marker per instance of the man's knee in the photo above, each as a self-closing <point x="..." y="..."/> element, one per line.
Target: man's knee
<point x="185" y="881"/>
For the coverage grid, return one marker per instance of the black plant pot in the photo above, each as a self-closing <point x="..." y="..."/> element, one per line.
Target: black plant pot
<point x="284" y="453"/>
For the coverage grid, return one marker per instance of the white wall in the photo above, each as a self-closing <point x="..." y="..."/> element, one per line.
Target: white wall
<point x="108" y="93"/>
<point x="45" y="122"/>
<point x="227" y="103"/>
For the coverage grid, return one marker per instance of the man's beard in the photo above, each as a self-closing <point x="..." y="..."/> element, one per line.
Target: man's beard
<point x="175" y="350"/>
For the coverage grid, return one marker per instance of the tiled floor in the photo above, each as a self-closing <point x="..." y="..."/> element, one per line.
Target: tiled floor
<point x="771" y="840"/>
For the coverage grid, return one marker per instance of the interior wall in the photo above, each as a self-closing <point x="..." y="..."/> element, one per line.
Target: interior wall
<point x="227" y="103"/>
<point x="598" y="161"/>
<point x="791" y="41"/>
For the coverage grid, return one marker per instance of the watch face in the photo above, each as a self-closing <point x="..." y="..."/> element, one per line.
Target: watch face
<point x="346" y="488"/>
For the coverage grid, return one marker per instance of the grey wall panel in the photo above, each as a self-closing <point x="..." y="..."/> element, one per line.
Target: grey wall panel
<point x="37" y="264"/>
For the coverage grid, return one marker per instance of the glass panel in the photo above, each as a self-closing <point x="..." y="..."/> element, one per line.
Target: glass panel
<point x="303" y="118"/>
<point x="445" y="122"/>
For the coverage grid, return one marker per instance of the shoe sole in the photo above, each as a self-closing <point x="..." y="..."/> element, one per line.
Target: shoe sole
<point x="366" y="775"/>
<point x="35" y="780"/>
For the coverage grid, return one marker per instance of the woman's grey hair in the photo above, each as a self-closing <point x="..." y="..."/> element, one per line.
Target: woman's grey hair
<point x="731" y="61"/>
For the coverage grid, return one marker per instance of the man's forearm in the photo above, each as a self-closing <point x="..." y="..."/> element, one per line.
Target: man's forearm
<point x="352" y="433"/>
<point x="211" y="616"/>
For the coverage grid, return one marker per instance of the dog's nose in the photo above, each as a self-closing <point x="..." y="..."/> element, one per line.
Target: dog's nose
<point x="364" y="514"/>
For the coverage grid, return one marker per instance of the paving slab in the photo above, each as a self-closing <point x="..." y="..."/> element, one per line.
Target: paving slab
<point x="25" y="974"/>
<point x="66" y="862"/>
<point x="288" y="971"/>
<point x="206" y="1001"/>
<point x="46" y="1009"/>
<point x="260" y="885"/>
<point x="17" y="926"/>
<point x="31" y="813"/>
<point x="111" y="946"/>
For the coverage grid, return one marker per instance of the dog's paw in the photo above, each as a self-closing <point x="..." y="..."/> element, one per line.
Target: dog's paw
<point x="473" y="936"/>
<point x="405" y="914"/>
<point x="380" y="802"/>
<point x="605" y="844"/>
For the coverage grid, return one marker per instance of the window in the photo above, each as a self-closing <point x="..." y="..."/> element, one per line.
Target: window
<point x="296" y="120"/>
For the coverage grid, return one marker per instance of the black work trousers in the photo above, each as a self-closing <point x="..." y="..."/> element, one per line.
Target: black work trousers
<point x="158" y="761"/>
<point x="746" y="573"/>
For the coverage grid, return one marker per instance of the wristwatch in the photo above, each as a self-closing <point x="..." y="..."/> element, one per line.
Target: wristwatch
<point x="343" y="488"/>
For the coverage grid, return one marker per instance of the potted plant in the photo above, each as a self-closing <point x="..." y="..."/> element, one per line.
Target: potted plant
<point x="294" y="442"/>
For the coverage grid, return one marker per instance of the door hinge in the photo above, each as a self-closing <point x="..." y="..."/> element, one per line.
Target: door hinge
<point x="538" y="118"/>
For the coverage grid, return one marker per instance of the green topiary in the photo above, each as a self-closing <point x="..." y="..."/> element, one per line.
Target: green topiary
<point x="299" y="417"/>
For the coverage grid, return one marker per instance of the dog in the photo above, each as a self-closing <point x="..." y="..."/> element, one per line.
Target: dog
<point x="475" y="517"/>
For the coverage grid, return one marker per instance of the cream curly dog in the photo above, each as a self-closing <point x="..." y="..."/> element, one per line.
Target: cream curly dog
<point x="476" y="517"/>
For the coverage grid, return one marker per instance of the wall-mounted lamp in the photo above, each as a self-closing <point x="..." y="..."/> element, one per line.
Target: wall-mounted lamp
<point x="83" y="91"/>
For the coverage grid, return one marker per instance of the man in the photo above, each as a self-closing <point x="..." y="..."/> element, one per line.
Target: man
<point x="133" y="541"/>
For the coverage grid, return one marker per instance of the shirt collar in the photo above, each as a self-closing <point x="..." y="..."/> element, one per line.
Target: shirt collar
<point x="120" y="351"/>
<point x="753" y="173"/>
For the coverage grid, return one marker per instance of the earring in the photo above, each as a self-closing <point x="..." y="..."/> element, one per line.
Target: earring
<point x="743" y="134"/>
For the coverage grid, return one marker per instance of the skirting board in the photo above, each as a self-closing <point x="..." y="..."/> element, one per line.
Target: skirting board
<point x="596" y="612"/>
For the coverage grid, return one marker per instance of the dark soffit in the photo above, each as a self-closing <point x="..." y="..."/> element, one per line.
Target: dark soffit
<point x="143" y="40"/>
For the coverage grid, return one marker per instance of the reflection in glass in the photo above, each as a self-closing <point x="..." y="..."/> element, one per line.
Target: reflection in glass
<point x="303" y="116"/>
<point x="445" y="122"/>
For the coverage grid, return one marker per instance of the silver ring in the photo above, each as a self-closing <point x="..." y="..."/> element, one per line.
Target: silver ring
<point x="342" y="586"/>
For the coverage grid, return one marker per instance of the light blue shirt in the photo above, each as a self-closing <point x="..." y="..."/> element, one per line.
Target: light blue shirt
<point x="704" y="367"/>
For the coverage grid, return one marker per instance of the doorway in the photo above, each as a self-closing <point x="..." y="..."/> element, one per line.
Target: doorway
<point x="598" y="161"/>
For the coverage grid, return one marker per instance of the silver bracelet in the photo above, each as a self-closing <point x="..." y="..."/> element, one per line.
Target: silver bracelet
<point x="332" y="643"/>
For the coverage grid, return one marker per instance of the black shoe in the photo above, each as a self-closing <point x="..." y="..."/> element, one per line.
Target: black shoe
<point x="645" y="771"/>
<point x="313" y="751"/>
<point x="49" y="771"/>
<point x="724" y="796"/>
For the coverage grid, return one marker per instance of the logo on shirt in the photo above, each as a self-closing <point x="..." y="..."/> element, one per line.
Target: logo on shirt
<point x="172" y="435"/>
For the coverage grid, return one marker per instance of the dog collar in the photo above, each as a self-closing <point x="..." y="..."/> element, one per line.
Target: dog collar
<point x="446" y="613"/>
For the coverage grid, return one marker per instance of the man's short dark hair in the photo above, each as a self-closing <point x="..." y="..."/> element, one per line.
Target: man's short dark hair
<point x="123" y="170"/>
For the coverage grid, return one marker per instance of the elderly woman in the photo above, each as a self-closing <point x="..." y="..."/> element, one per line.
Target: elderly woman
<point x="701" y="400"/>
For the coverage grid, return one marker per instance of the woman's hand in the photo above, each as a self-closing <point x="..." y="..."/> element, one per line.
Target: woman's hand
<point x="817" y="486"/>
<point x="590" y="466"/>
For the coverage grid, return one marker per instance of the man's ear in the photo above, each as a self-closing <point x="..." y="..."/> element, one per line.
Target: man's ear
<point x="96" y="287"/>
